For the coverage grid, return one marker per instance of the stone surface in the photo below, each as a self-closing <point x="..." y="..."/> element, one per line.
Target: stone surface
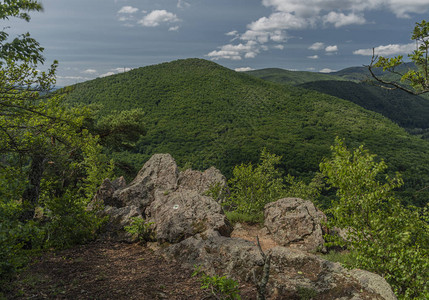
<point x="118" y="219"/>
<point x="175" y="202"/>
<point x="197" y="233"/>
<point x="295" y="223"/>
<point x="373" y="282"/>
<point x="160" y="172"/>
<point x="291" y="269"/>
<point x="183" y="213"/>
<point x="201" y="181"/>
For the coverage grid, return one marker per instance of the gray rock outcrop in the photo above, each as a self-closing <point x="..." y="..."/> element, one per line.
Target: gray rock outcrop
<point x="295" y="223"/>
<point x="292" y="270"/>
<point x="198" y="233"/>
<point x="174" y="201"/>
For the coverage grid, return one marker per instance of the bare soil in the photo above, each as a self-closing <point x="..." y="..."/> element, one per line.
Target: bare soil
<point x="106" y="270"/>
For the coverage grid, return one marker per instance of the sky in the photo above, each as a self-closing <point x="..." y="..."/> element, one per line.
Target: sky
<point x="97" y="38"/>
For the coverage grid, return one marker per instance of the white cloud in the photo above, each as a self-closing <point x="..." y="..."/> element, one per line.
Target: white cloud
<point x="243" y="69"/>
<point x="157" y="17"/>
<point x="317" y="46"/>
<point x="236" y="52"/>
<point x="90" y="71"/>
<point x="128" y="10"/>
<point x="312" y="8"/>
<point x="232" y="33"/>
<point x="173" y="28"/>
<point x="340" y="19"/>
<point x="182" y="4"/>
<point x="107" y="74"/>
<point x="73" y="77"/>
<point x="313" y="57"/>
<point x="280" y="47"/>
<point x="333" y="48"/>
<point x="326" y="70"/>
<point x="121" y="70"/>
<point x="391" y="49"/>
<point x="290" y="15"/>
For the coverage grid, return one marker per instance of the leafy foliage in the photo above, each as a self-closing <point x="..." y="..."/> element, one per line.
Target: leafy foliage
<point x="221" y="287"/>
<point x="141" y="229"/>
<point x="50" y="164"/>
<point x="251" y="188"/>
<point x="408" y="111"/>
<point x="383" y="236"/>
<point x="292" y="77"/>
<point x="204" y="115"/>
<point x="417" y="79"/>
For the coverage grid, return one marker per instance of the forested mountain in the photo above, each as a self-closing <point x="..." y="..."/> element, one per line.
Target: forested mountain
<point x="354" y="84"/>
<point x="205" y="114"/>
<point x="409" y="111"/>
<point x="291" y="77"/>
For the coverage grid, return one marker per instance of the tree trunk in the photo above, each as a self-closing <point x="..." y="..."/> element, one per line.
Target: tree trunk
<point x="30" y="197"/>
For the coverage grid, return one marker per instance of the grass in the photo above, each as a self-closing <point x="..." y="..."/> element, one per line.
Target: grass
<point x="343" y="257"/>
<point x="237" y="217"/>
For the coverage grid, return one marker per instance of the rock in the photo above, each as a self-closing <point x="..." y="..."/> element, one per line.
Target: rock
<point x="295" y="223"/>
<point x="292" y="271"/>
<point x="202" y="182"/>
<point x="119" y="183"/>
<point x="104" y="195"/>
<point x="175" y="202"/>
<point x="159" y="172"/>
<point x="183" y="213"/>
<point x="373" y="282"/>
<point x="118" y="219"/>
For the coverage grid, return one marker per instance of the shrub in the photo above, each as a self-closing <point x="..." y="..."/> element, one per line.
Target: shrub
<point x="69" y="222"/>
<point x="383" y="236"/>
<point x="221" y="287"/>
<point x="141" y="229"/>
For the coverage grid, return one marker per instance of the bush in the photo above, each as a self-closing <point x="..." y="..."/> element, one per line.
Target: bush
<point x="141" y="229"/>
<point x="69" y="222"/>
<point x="251" y="188"/>
<point x="221" y="287"/>
<point x="383" y="236"/>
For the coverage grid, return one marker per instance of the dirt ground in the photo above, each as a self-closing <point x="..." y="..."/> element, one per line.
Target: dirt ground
<point x="107" y="270"/>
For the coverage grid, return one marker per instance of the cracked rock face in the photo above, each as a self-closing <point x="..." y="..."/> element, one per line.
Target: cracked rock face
<point x="290" y="269"/>
<point x="295" y="223"/>
<point x="175" y="202"/>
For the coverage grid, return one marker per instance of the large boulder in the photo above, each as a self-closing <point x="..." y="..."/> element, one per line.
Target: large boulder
<point x="202" y="182"/>
<point x="180" y="214"/>
<point x="160" y="172"/>
<point x="292" y="271"/>
<point x="175" y="202"/>
<point x="295" y="223"/>
<point x="118" y="219"/>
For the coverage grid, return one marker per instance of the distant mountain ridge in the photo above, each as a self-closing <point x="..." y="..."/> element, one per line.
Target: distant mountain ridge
<point x="205" y="114"/>
<point x="353" y="84"/>
<point x="291" y="77"/>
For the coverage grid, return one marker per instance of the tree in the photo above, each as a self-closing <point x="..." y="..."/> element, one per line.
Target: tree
<point x="414" y="80"/>
<point x="382" y="235"/>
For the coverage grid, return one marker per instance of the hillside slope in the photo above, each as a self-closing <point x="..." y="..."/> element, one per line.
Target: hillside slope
<point x="291" y="77"/>
<point x="409" y="111"/>
<point x="204" y="114"/>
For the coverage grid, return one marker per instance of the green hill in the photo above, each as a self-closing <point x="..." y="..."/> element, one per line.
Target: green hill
<point x="409" y="111"/>
<point x="205" y="114"/>
<point x="362" y="73"/>
<point x="291" y="77"/>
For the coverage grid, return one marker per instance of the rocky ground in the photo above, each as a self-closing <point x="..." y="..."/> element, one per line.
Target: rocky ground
<point x="192" y="229"/>
<point x="104" y="270"/>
